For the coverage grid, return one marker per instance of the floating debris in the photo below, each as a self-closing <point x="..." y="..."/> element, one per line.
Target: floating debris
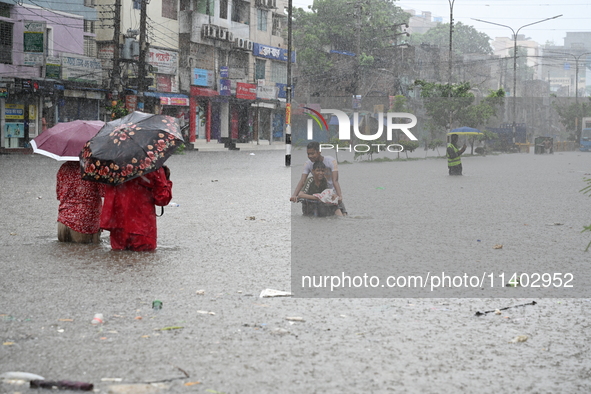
<point x="519" y="338"/>
<point x="274" y="293"/>
<point x="479" y="313"/>
<point x="295" y="318"/>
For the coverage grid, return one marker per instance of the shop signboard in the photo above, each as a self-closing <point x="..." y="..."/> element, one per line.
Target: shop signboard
<point x="131" y="102"/>
<point x="163" y="62"/>
<point x="53" y="67"/>
<point x="181" y="101"/>
<point x="273" y="53"/>
<point x="80" y="68"/>
<point x="14" y="111"/>
<point x="225" y="87"/>
<point x="266" y="92"/>
<point x="246" y="91"/>
<point x="202" y="77"/>
<point x="33" y="36"/>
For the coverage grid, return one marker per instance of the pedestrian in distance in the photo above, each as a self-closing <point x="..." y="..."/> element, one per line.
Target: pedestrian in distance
<point x="129" y="212"/>
<point x="80" y="206"/>
<point x="331" y="173"/>
<point x="454" y="161"/>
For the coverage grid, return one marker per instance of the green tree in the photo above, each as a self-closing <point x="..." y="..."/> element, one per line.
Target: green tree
<point x="569" y="112"/>
<point x="444" y="103"/>
<point x="364" y="27"/>
<point x="466" y="39"/>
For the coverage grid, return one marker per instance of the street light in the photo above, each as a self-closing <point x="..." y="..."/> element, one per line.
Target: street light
<point x="515" y="33"/>
<point x="451" y="29"/>
<point x="576" y="69"/>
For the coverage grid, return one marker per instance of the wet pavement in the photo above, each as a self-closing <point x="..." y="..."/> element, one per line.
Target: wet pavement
<point x="231" y="237"/>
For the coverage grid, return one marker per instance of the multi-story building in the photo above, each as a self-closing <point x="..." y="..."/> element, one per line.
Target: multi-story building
<point x="48" y="67"/>
<point x="568" y="67"/>
<point x="220" y="66"/>
<point x="234" y="68"/>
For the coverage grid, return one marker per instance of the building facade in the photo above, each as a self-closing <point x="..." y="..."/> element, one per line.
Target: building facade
<point x="49" y="72"/>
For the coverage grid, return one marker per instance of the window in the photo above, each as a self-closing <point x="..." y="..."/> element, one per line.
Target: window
<point x="89" y="46"/>
<point x="137" y="4"/>
<point x="279" y="72"/>
<point x="276" y="25"/>
<point x="224" y="9"/>
<point x="170" y="9"/>
<point x="205" y="7"/>
<point x="89" y="3"/>
<point x="5" y="42"/>
<point x="88" y="26"/>
<point x="241" y="12"/>
<point x="4" y="10"/>
<point x="259" y="72"/>
<point x="262" y="19"/>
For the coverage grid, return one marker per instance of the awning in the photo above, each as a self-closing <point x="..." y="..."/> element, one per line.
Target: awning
<point x="162" y="94"/>
<point x="197" y="91"/>
<point x="170" y="98"/>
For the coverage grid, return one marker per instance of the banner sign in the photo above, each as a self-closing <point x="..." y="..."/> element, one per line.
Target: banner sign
<point x="274" y="53"/>
<point x="246" y="91"/>
<point x="14" y="111"/>
<point x="81" y="69"/>
<point x="202" y="77"/>
<point x="33" y="38"/>
<point x="164" y="62"/>
<point x="14" y="130"/>
<point x="225" y="87"/>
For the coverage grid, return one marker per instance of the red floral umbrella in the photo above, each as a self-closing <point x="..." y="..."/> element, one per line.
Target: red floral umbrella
<point x="64" y="141"/>
<point x="129" y="147"/>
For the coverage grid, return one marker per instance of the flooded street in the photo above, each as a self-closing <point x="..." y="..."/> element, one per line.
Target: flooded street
<point x="235" y="233"/>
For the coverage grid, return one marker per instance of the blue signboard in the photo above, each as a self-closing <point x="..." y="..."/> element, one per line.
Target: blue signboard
<point x="272" y="52"/>
<point x="225" y="87"/>
<point x="202" y="77"/>
<point x="282" y="90"/>
<point x="224" y="72"/>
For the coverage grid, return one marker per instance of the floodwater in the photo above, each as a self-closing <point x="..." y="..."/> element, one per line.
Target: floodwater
<point x="232" y="236"/>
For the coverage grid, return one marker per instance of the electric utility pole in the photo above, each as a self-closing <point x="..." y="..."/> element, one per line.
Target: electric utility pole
<point x="142" y="87"/>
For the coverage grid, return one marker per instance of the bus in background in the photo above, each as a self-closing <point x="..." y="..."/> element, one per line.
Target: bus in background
<point x="586" y="135"/>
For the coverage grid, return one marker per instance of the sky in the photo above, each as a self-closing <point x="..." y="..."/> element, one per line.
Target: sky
<point x="576" y="15"/>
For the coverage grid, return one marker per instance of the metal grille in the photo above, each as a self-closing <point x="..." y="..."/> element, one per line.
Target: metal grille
<point x="5" y="42"/>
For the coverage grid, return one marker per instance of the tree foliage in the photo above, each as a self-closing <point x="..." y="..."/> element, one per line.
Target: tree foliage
<point x="466" y="39"/>
<point x="569" y="112"/>
<point x="365" y="27"/>
<point x="452" y="105"/>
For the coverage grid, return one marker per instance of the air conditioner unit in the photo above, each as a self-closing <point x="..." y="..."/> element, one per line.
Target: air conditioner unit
<point x="230" y="36"/>
<point x="248" y="45"/>
<point x="222" y="34"/>
<point x="209" y="31"/>
<point x="239" y="42"/>
<point x="272" y="3"/>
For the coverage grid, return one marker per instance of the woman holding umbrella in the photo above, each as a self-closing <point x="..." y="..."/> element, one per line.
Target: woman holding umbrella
<point x="80" y="205"/>
<point x="128" y="156"/>
<point x="80" y="201"/>
<point x="128" y="212"/>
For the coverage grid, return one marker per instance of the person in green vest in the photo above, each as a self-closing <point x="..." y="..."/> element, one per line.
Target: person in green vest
<point x="454" y="162"/>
